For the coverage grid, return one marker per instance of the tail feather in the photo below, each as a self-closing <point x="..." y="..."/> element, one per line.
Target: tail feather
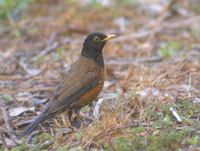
<point x="32" y="126"/>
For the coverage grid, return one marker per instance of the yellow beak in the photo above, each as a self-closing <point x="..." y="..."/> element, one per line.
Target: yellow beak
<point x="109" y="37"/>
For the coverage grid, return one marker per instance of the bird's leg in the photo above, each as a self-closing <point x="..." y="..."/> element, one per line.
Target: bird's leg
<point x="77" y="112"/>
<point x="70" y="112"/>
<point x="91" y="109"/>
<point x="70" y="116"/>
<point x="77" y="119"/>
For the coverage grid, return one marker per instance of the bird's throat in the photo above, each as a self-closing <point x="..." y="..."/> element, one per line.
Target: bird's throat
<point x="97" y="57"/>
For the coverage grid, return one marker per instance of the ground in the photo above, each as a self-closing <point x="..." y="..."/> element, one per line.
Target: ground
<point x="151" y="97"/>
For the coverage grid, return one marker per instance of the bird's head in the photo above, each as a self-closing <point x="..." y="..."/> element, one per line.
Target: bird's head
<point x="94" y="43"/>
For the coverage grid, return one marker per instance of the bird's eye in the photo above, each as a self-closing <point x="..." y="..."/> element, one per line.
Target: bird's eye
<point x="96" y="39"/>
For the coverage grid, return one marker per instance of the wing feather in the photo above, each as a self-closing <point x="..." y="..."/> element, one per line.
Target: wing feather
<point x="67" y="93"/>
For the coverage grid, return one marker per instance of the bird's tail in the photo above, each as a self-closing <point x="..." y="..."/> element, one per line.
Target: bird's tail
<point x="32" y="126"/>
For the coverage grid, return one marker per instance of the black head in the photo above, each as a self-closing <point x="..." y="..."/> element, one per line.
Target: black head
<point x="93" y="45"/>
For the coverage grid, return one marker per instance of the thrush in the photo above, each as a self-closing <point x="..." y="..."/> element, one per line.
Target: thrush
<point x="81" y="85"/>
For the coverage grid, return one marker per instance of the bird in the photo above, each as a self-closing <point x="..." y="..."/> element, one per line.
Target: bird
<point x="80" y="86"/>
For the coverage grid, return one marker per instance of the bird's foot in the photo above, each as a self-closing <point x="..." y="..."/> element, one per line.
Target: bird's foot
<point x="76" y="123"/>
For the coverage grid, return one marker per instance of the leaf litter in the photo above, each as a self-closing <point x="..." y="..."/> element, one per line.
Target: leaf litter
<point x="151" y="96"/>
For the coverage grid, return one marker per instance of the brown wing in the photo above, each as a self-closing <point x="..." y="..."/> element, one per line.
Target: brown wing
<point x="73" y="87"/>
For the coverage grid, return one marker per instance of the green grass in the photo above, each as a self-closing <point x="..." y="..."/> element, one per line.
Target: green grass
<point x="169" y="49"/>
<point x="11" y="9"/>
<point x="165" y="133"/>
<point x="162" y="133"/>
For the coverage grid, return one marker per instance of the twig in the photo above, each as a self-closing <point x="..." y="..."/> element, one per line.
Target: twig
<point x="23" y="123"/>
<point x="51" y="45"/>
<point x="6" y="119"/>
<point x="182" y="23"/>
<point x="158" y="22"/>
<point x="175" y="114"/>
<point x="24" y="78"/>
<point x="97" y="108"/>
<point x="46" y="51"/>
<point x="2" y="140"/>
<point x="27" y="90"/>
<point x="136" y="61"/>
<point x="137" y="35"/>
<point x="151" y="32"/>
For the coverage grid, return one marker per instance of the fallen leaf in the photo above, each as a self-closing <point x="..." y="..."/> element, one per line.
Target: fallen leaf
<point x="17" y="111"/>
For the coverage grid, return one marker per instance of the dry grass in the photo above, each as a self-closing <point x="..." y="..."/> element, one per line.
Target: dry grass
<point x="153" y="66"/>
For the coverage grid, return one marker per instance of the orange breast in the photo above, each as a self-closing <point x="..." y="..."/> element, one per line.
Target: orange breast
<point x="91" y="95"/>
